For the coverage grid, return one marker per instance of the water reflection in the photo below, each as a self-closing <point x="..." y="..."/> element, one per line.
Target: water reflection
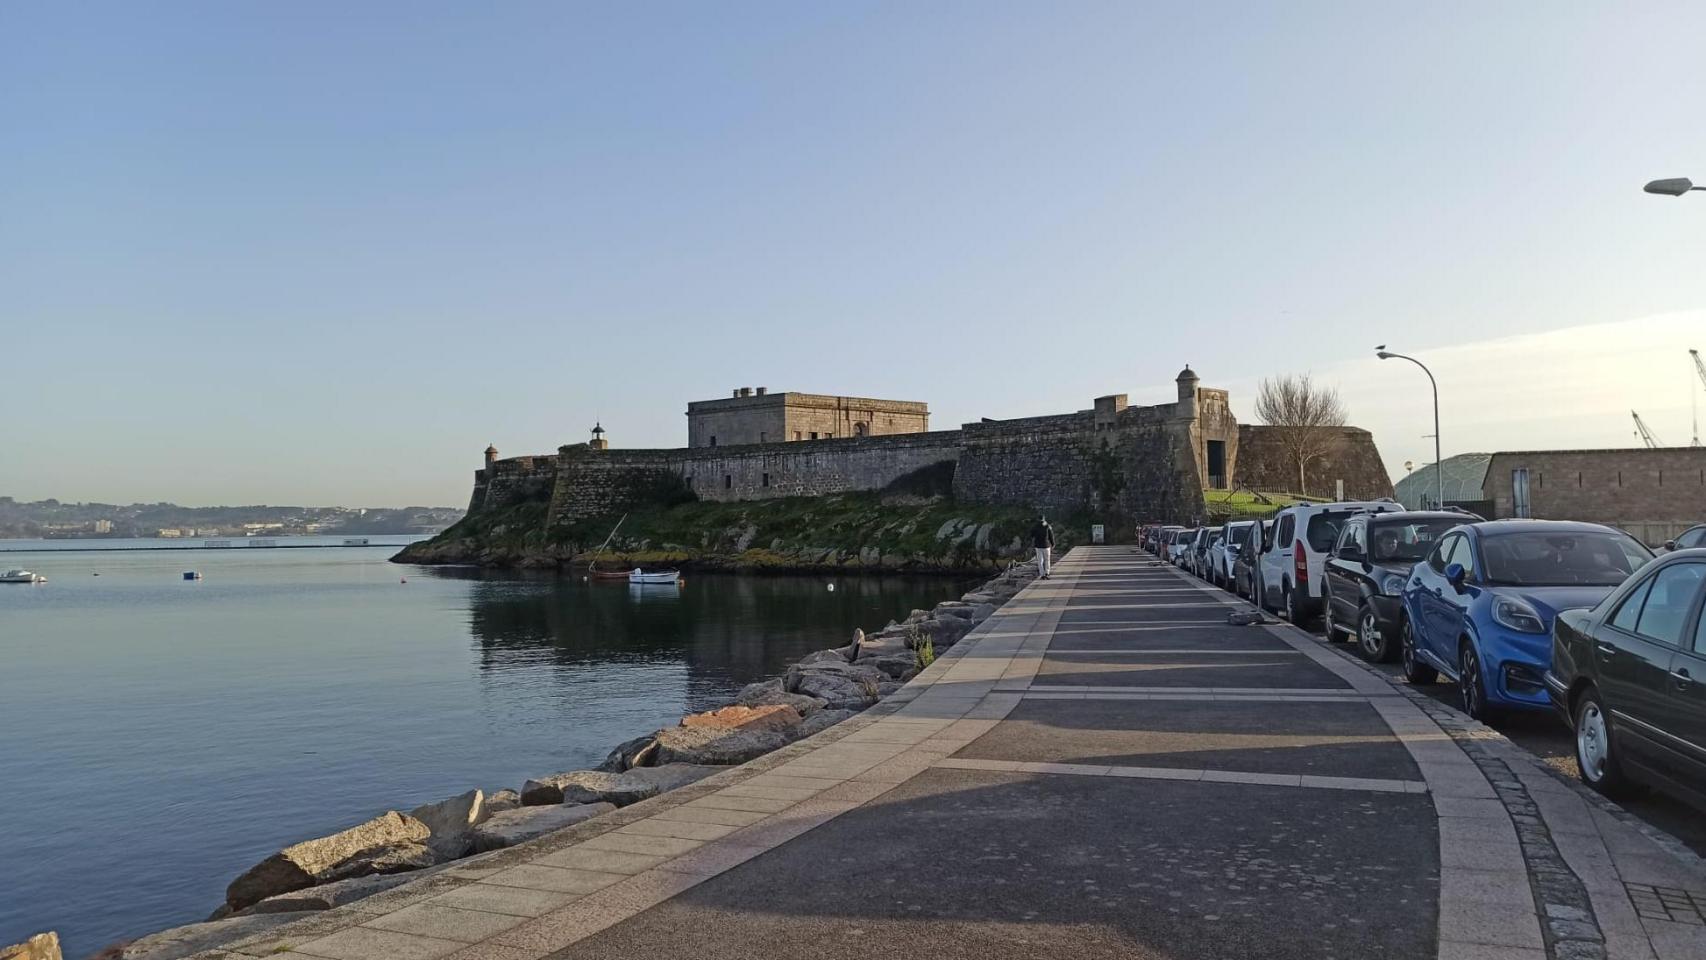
<point x="725" y="629"/>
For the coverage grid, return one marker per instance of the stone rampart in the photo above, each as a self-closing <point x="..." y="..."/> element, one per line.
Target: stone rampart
<point x="594" y="483"/>
<point x="514" y="480"/>
<point x="1351" y="456"/>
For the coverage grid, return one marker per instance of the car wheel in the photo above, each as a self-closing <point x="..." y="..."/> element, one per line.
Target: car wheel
<point x="1595" y="761"/>
<point x="1415" y="670"/>
<point x="1329" y="624"/>
<point x="1261" y="594"/>
<point x="1471" y="685"/>
<point x="1289" y="601"/>
<point x="1375" y="644"/>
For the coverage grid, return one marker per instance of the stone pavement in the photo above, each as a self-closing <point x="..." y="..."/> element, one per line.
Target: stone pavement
<point x="1104" y="768"/>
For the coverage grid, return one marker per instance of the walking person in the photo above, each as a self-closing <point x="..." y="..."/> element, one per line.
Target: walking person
<point x="1042" y="538"/>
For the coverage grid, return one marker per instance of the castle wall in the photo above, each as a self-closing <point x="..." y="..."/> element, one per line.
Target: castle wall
<point x="1351" y="456"/>
<point x="780" y="417"/>
<point x="515" y="480"/>
<point x="596" y="483"/>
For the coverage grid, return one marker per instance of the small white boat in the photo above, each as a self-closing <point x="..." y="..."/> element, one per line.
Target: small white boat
<point x="21" y="576"/>
<point x="637" y="575"/>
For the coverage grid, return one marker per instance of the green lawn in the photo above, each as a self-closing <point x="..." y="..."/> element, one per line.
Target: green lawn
<point x="1249" y="504"/>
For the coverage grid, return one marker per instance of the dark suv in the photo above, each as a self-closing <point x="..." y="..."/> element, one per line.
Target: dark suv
<point x="1364" y="575"/>
<point x="1629" y="677"/>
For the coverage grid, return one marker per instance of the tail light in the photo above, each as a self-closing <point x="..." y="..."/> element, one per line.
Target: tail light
<point x="1301" y="559"/>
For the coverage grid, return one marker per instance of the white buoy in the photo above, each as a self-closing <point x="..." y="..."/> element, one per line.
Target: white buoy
<point x="832" y="588"/>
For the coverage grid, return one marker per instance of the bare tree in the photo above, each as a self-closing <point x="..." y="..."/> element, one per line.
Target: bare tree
<point x="1302" y="417"/>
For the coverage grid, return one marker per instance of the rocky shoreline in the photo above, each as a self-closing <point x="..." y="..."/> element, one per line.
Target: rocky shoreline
<point x="395" y="848"/>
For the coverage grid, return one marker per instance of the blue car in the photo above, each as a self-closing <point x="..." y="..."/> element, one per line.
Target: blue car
<point x="1479" y="609"/>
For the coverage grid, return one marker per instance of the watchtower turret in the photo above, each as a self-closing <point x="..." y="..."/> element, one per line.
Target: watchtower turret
<point x="1187" y="381"/>
<point x="598" y="441"/>
<point x="491" y="456"/>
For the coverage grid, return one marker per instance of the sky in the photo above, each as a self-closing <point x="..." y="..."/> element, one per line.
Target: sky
<point x="324" y="253"/>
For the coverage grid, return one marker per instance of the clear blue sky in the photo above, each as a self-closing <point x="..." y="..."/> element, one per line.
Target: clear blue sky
<point x="326" y="252"/>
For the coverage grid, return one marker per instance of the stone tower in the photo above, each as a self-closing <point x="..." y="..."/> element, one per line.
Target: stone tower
<point x="598" y="441"/>
<point x="491" y="456"/>
<point x="1187" y="381"/>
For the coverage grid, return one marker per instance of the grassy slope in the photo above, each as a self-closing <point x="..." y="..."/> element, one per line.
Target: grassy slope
<point x="854" y="529"/>
<point x="1248" y="505"/>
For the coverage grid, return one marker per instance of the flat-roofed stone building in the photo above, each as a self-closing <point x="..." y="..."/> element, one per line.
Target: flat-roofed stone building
<point x="755" y="415"/>
<point x="1654" y="494"/>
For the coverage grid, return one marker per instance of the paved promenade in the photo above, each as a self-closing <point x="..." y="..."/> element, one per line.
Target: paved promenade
<point x="1105" y="768"/>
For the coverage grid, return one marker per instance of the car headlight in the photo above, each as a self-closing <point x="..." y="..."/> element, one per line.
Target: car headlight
<point x="1517" y="615"/>
<point x="1392" y="584"/>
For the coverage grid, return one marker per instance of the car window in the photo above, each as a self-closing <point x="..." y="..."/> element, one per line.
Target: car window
<point x="1323" y="530"/>
<point x="1237" y="535"/>
<point x="1398" y="542"/>
<point x="1347" y="539"/>
<point x="1463" y="554"/>
<point x="1537" y="558"/>
<point x="1629" y="613"/>
<point x="1669" y="600"/>
<point x="1437" y="560"/>
<point x="1287" y="524"/>
<point x="1692" y="538"/>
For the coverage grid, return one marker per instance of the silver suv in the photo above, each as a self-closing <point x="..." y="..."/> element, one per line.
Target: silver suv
<point x="1290" y="568"/>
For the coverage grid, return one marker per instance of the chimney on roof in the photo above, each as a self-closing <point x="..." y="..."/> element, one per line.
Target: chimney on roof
<point x="763" y="390"/>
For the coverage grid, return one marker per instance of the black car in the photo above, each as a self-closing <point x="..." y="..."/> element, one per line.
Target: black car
<point x="1629" y="677"/>
<point x="1694" y="536"/>
<point x="1363" y="576"/>
<point x="1245" y="561"/>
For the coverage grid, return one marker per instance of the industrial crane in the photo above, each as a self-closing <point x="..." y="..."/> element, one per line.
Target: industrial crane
<point x="1699" y="368"/>
<point x="1647" y="437"/>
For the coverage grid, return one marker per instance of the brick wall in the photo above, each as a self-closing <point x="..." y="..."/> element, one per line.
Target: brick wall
<point x="1653" y="494"/>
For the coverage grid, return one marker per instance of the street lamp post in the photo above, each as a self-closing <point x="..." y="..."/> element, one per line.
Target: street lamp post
<point x="1674" y="187"/>
<point x="1439" y="464"/>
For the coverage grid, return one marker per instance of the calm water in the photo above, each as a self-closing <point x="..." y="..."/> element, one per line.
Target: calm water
<point x="158" y="736"/>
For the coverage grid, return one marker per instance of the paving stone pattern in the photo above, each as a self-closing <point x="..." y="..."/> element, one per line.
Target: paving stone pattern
<point x="1104" y="768"/>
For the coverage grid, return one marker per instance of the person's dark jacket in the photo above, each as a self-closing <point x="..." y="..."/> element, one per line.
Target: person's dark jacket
<point x="1042" y="535"/>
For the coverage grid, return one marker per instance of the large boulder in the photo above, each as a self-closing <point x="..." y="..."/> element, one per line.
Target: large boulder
<point x="841" y="692"/>
<point x="638" y="752"/>
<point x="898" y="666"/>
<point x="396" y="858"/>
<point x="42" y="946"/>
<point x="740" y="717"/>
<point x="450" y="820"/>
<point x="329" y="895"/>
<point x="316" y="861"/>
<point x="621" y="789"/>
<point x="822" y="720"/>
<point x="823" y="656"/>
<point x="501" y="800"/>
<point x="770" y="692"/>
<point x="525" y="823"/>
<point x="193" y="938"/>
<point x="708" y="745"/>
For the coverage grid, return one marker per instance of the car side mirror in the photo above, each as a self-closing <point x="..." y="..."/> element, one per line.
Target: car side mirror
<point x="1670" y="545"/>
<point x="1456" y="575"/>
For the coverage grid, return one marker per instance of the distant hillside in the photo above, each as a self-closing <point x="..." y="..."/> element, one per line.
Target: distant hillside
<point x="51" y="519"/>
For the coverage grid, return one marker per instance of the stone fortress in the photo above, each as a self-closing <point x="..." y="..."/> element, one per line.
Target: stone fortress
<point x="1140" y="463"/>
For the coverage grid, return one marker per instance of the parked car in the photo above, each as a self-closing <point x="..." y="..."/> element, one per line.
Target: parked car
<point x="1245" y="560"/>
<point x="1694" y="536"/>
<point x="1196" y="559"/>
<point x="1629" y="677"/>
<point x="1205" y="561"/>
<point x="1291" y="561"/>
<point x="1225" y="553"/>
<point x="1160" y="538"/>
<point x="1182" y="541"/>
<point x="1480" y="610"/>
<point x="1363" y="578"/>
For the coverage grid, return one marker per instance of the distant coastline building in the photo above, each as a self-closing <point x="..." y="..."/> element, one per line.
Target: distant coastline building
<point x="755" y="415"/>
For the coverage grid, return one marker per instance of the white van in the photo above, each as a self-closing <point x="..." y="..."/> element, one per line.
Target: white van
<point x="1292" y="562"/>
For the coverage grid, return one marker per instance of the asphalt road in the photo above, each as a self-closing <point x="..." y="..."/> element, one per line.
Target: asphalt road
<point x="1546" y="737"/>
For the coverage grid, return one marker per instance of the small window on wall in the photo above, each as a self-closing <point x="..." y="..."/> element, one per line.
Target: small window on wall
<point x="767" y="479"/>
<point x="861" y="429"/>
<point x="728" y="482"/>
<point x="798" y="435"/>
<point x="814" y="434"/>
<point x="761" y="436"/>
<point x="713" y="440"/>
<point x="690" y="481"/>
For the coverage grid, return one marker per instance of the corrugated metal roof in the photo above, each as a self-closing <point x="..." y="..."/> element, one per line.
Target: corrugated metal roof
<point x="1463" y="476"/>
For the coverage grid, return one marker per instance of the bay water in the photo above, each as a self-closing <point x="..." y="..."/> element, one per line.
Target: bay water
<point x="159" y="735"/>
